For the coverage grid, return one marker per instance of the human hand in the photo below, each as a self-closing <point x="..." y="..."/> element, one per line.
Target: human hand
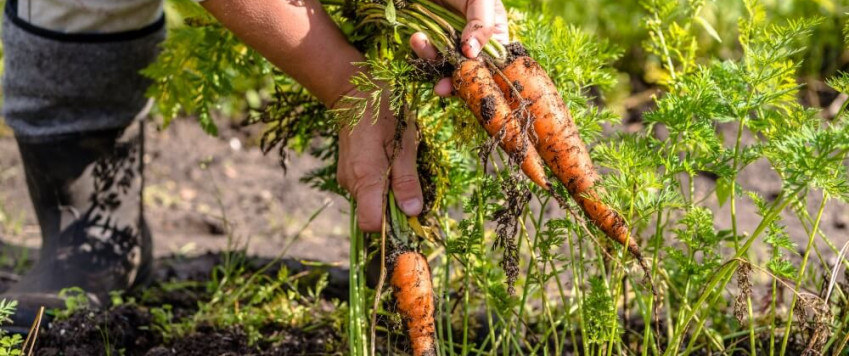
<point x="486" y="19"/>
<point x="364" y="153"/>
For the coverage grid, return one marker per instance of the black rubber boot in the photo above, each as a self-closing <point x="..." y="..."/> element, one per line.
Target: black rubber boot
<point x="86" y="190"/>
<point x="73" y="100"/>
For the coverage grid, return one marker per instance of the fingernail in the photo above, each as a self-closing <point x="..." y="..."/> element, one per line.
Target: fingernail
<point x="474" y="47"/>
<point x="421" y="45"/>
<point x="412" y="206"/>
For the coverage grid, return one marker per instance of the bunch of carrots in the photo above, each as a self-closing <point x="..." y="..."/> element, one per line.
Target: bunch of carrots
<point x="517" y="104"/>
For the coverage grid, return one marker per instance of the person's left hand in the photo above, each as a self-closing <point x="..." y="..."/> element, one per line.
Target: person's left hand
<point x="486" y="19"/>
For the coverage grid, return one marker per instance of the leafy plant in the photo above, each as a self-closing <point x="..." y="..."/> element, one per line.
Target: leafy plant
<point x="517" y="272"/>
<point x="10" y="344"/>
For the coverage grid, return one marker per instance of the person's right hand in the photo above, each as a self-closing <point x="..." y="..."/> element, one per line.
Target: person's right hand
<point x="364" y="153"/>
<point x="301" y="39"/>
<point x="486" y="19"/>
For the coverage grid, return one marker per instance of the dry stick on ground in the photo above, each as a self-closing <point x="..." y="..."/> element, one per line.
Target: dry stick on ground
<point x="33" y="334"/>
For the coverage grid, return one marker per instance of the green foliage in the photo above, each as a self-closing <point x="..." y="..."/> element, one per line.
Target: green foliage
<point x="10" y="345"/>
<point x="255" y="302"/>
<point x="724" y="83"/>
<point x="75" y="298"/>
<point x="202" y="67"/>
<point x="713" y="27"/>
<point x="602" y="324"/>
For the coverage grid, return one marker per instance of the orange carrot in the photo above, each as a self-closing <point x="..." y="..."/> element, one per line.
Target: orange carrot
<point x="475" y="86"/>
<point x="557" y="140"/>
<point x="413" y="291"/>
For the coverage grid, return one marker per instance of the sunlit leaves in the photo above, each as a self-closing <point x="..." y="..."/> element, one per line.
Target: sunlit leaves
<point x="383" y="78"/>
<point x="574" y="59"/>
<point x="769" y="58"/>
<point x="9" y="343"/>
<point x="670" y="36"/>
<point x="689" y="113"/>
<point x="200" y="66"/>
<point x="602" y="323"/>
<point x="812" y="157"/>
<point x="634" y="180"/>
<point x="695" y="230"/>
<point x="840" y="82"/>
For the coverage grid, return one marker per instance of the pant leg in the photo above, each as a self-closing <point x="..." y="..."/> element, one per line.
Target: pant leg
<point x="89" y="16"/>
<point x="72" y="100"/>
<point x="58" y="83"/>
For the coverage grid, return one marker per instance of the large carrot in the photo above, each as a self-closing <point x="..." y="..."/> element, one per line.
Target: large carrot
<point x="474" y="84"/>
<point x="413" y="291"/>
<point x="557" y="140"/>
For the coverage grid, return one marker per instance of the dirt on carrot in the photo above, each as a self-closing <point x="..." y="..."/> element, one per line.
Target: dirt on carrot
<point x="558" y="142"/>
<point x="475" y="86"/>
<point x="413" y="291"/>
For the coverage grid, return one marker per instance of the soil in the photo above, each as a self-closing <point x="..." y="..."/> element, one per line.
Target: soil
<point x="87" y="333"/>
<point x="186" y="174"/>
<point x="202" y="194"/>
<point x="132" y="328"/>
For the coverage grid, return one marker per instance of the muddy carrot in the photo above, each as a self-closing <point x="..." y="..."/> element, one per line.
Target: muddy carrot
<point x="413" y="292"/>
<point x="557" y="141"/>
<point x="474" y="84"/>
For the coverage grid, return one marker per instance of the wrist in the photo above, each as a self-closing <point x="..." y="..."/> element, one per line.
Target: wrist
<point x="345" y="88"/>
<point x="337" y="76"/>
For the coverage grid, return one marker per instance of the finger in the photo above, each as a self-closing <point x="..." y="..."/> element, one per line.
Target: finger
<point x="501" y="31"/>
<point x="422" y="46"/>
<point x="369" y="188"/>
<point x="405" y="177"/>
<point x="443" y="87"/>
<point x="480" y="27"/>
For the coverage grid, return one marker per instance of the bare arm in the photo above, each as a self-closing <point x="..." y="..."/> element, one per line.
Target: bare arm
<point x="298" y="37"/>
<point x="301" y="39"/>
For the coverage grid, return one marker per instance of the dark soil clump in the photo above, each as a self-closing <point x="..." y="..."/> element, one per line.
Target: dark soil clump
<point x="207" y="341"/>
<point x="487" y="108"/>
<point x="233" y="341"/>
<point x="100" y="333"/>
<point x="181" y="285"/>
<point x="514" y="50"/>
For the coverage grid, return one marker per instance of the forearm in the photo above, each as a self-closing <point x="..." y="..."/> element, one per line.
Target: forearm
<point x="296" y="36"/>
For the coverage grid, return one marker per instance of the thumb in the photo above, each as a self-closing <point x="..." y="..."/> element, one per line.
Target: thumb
<point x="480" y="26"/>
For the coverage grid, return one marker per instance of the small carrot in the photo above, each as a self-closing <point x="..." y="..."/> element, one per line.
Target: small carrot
<point x="475" y="86"/>
<point x="413" y="291"/>
<point x="559" y="144"/>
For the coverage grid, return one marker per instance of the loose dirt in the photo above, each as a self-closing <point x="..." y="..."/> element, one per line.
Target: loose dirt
<point x="200" y="189"/>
